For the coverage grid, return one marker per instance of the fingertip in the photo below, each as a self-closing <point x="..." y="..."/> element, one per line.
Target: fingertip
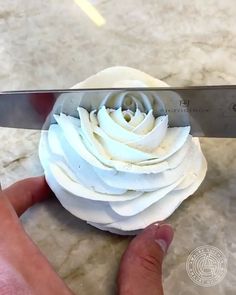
<point x="164" y="236"/>
<point x="161" y="233"/>
<point x="141" y="264"/>
<point x="25" y="193"/>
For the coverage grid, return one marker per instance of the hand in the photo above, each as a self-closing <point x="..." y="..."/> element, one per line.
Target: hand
<point x="23" y="268"/>
<point x="141" y="265"/>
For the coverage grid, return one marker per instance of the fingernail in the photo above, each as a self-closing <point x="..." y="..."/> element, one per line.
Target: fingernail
<point x="165" y="224"/>
<point x="163" y="236"/>
<point x="159" y="224"/>
<point x="162" y="244"/>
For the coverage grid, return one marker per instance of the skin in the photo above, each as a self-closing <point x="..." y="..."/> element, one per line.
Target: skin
<point x="25" y="270"/>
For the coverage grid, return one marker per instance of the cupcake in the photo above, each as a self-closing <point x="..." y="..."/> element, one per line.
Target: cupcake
<point x="120" y="166"/>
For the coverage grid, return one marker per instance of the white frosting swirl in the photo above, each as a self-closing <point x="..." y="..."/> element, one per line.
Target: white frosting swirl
<point x="121" y="170"/>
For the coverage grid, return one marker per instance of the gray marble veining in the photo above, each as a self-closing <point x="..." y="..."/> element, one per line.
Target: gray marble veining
<point x="52" y="44"/>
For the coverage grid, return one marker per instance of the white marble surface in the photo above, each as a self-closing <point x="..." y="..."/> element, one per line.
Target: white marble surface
<point x="52" y="44"/>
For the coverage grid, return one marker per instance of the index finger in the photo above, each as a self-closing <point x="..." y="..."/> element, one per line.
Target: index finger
<point x="25" y="193"/>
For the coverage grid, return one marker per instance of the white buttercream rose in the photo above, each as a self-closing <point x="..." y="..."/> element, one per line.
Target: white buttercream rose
<point x="121" y="168"/>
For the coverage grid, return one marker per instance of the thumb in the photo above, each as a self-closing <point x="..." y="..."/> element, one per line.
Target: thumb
<point x="141" y="265"/>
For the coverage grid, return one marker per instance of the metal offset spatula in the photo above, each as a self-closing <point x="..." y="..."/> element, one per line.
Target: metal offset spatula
<point x="209" y="110"/>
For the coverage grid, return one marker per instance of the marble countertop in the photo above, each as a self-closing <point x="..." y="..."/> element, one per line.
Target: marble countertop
<point x="53" y="44"/>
